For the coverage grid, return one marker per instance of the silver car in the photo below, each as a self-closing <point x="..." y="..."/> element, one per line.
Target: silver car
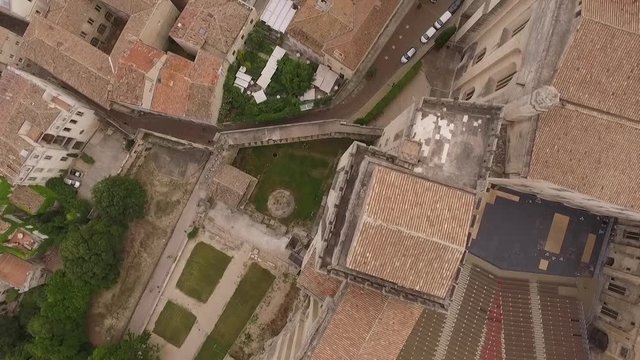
<point x="408" y="55"/>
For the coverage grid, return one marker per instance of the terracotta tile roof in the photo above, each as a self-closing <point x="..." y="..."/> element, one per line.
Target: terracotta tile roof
<point x="130" y="7"/>
<point x="214" y="22"/>
<point x="232" y="178"/>
<point x="24" y="240"/>
<point x="26" y="199"/>
<point x="61" y="104"/>
<point x="68" y="58"/>
<point x="319" y="284"/>
<point x="366" y="325"/>
<point x="180" y="87"/>
<point x="15" y="271"/>
<point x="70" y="14"/>
<point x="412" y="231"/>
<point x="348" y="26"/>
<point x="601" y="69"/>
<point x="588" y="154"/>
<point x="623" y="14"/>
<point x="4" y="226"/>
<point x="21" y="102"/>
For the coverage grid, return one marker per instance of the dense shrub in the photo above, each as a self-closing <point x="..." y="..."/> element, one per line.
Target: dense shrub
<point x="119" y="199"/>
<point x="293" y="78"/>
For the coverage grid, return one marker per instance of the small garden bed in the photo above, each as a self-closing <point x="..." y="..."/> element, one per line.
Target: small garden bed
<point x="203" y="271"/>
<point x="244" y="301"/>
<point x="174" y="324"/>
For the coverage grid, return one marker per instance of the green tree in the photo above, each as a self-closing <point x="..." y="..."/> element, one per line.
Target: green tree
<point x="120" y="199"/>
<point x="91" y="253"/>
<point x="293" y="78"/>
<point x="13" y="335"/>
<point x="133" y="347"/>
<point x="59" y="329"/>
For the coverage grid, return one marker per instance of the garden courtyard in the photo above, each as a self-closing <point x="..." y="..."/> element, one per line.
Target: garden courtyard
<point x="226" y="294"/>
<point x="292" y="178"/>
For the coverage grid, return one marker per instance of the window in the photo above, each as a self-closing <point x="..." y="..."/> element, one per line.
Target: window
<point x="20" y="60"/>
<point x="631" y="235"/>
<point x="17" y="43"/>
<point x="519" y="28"/>
<point x="102" y="28"/>
<point x="83" y="34"/>
<point x="502" y="83"/>
<point x="90" y="21"/>
<point x="398" y="135"/>
<point x="94" y="41"/>
<point x="35" y="156"/>
<point x="609" y="312"/>
<point x="48" y="157"/>
<point x="73" y="121"/>
<point x="108" y="16"/>
<point x="469" y="94"/>
<point x="480" y="56"/>
<point x="81" y="131"/>
<point x="66" y="129"/>
<point x="31" y="178"/>
<point x="79" y="113"/>
<point x="621" y="290"/>
<point x="11" y="56"/>
<point x="64" y="158"/>
<point x="38" y="170"/>
<point x="609" y="261"/>
<point x="38" y="12"/>
<point x="98" y="8"/>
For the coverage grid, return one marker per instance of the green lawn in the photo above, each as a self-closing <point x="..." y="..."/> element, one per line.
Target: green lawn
<point x="174" y="324"/>
<point x="306" y="169"/>
<point x="203" y="271"/>
<point x="248" y="295"/>
<point x="5" y="191"/>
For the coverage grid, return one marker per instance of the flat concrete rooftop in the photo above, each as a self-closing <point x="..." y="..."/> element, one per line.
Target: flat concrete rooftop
<point x="455" y="140"/>
<point x="521" y="232"/>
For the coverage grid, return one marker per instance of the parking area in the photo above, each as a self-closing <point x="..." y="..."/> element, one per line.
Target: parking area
<point x="106" y="147"/>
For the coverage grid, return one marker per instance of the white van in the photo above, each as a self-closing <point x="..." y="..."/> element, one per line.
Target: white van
<point x="425" y="38"/>
<point x="443" y="19"/>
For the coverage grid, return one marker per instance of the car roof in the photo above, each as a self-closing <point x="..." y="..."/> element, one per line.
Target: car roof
<point x="446" y="15"/>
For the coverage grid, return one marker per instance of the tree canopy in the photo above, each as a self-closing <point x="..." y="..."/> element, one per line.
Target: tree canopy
<point x="133" y="347"/>
<point x="120" y="199"/>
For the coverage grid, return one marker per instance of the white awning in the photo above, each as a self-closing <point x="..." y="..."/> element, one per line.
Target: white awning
<point x="278" y="14"/>
<point x="259" y="96"/>
<point x="271" y="67"/>
<point x="325" y="78"/>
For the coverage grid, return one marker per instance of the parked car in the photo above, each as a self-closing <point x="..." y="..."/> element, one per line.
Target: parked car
<point x="443" y="19"/>
<point x="408" y="55"/>
<point x="426" y="36"/>
<point x="455" y="6"/>
<point x="75" y="172"/>
<point x="72" y="182"/>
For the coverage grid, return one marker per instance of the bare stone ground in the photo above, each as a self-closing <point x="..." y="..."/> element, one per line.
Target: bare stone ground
<point x="169" y="176"/>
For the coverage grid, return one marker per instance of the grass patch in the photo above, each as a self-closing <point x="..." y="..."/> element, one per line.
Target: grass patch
<point x="5" y="191"/>
<point x="203" y="271"/>
<point x="304" y="168"/>
<point x="174" y="324"/>
<point x="396" y="89"/>
<point x="248" y="295"/>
